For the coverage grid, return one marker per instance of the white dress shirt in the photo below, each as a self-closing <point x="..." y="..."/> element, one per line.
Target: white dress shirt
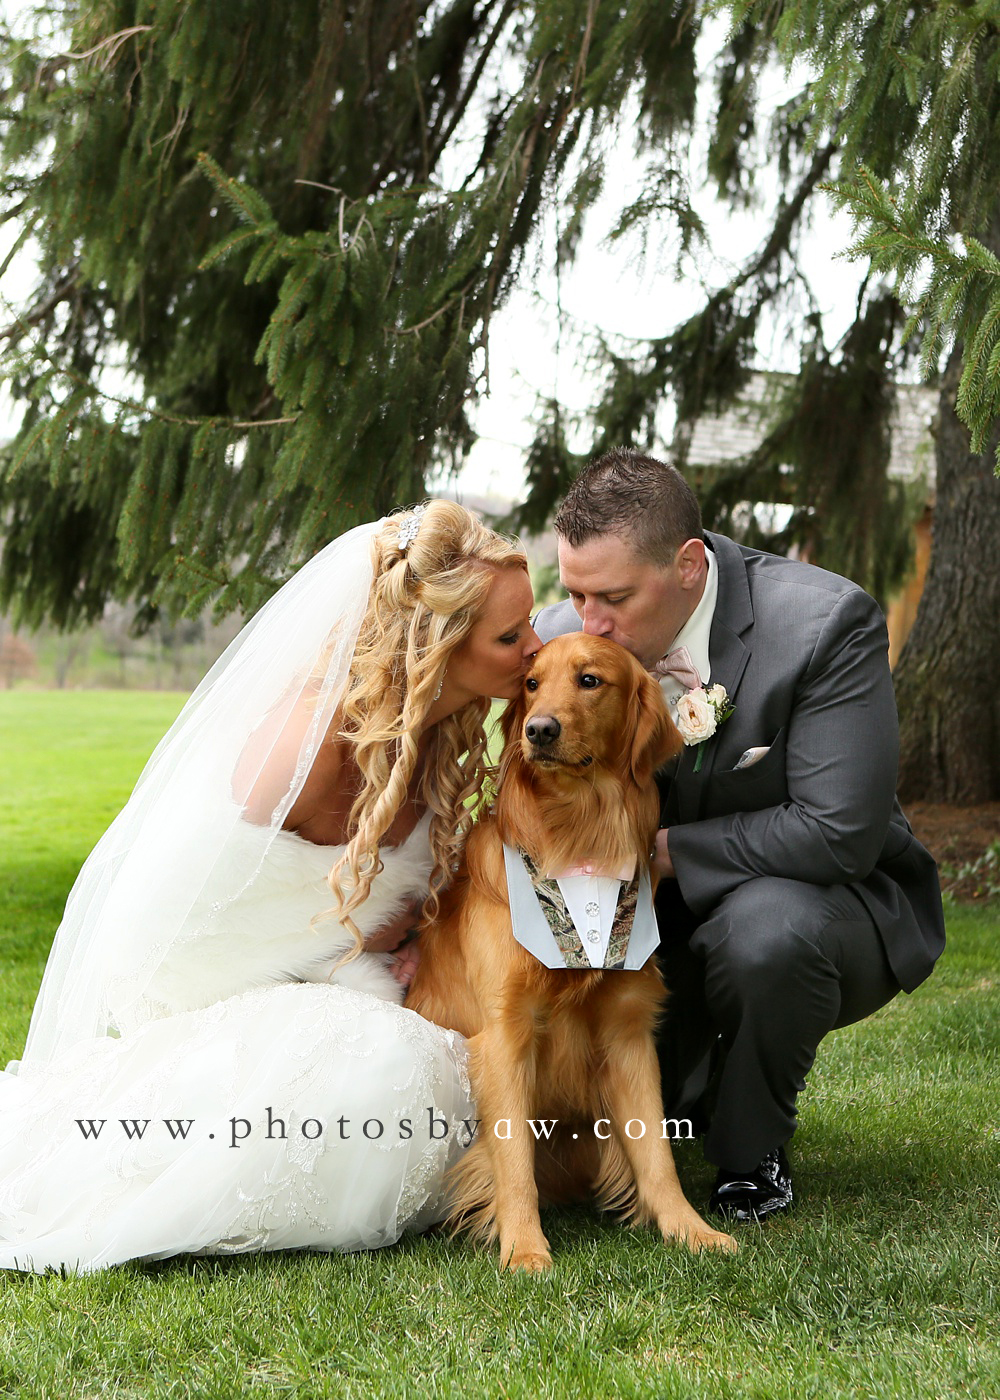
<point x="695" y="635"/>
<point x="591" y="901"/>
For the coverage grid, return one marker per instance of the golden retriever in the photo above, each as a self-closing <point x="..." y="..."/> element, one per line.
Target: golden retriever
<point x="575" y="787"/>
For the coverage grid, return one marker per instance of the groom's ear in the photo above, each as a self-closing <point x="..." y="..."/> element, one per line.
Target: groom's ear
<point x="689" y="563"/>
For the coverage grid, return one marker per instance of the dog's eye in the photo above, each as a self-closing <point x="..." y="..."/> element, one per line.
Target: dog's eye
<point x="590" y="682"/>
<point x="531" y="683"/>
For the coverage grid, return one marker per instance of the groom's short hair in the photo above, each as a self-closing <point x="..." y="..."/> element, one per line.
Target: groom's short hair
<point x="626" y="493"/>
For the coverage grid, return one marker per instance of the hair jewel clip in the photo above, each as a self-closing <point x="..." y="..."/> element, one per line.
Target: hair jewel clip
<point x="410" y="527"/>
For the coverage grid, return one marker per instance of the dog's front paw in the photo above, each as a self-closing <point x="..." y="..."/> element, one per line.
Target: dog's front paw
<point x="697" y="1235"/>
<point x="530" y="1256"/>
<point x="528" y="1262"/>
<point x="710" y="1239"/>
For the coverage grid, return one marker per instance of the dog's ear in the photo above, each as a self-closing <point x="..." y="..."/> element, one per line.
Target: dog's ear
<point x="511" y="772"/>
<point x="511" y="725"/>
<point x="654" y="735"/>
<point x="512" y="718"/>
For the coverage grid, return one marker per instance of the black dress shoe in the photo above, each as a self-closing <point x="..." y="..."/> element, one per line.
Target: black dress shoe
<point x="756" y="1195"/>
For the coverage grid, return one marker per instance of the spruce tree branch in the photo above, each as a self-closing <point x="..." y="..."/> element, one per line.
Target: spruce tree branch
<point x="491" y="139"/>
<point x="422" y="112"/>
<point x="550" y="120"/>
<point x="39" y="312"/>
<point x="318" y="185"/>
<point x="109" y="46"/>
<point x="438" y="140"/>
<point x="222" y="578"/>
<point x="135" y="406"/>
<point x="783" y="224"/>
<point x="144" y="409"/>
<point x="173" y="135"/>
<point x="15" y="209"/>
<point x="320" y="88"/>
<point x="19" y="242"/>
<point x="500" y="253"/>
<point x="163" y="417"/>
<point x="580" y="69"/>
<point x="523" y="152"/>
<point x="452" y="301"/>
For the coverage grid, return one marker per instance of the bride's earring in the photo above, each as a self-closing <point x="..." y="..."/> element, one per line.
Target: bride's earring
<point x="437" y="693"/>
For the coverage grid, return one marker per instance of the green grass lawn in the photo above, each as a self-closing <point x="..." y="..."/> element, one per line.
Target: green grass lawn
<point x="884" y="1282"/>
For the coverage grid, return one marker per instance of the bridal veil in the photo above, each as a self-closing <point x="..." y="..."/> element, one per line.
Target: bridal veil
<point x="140" y="894"/>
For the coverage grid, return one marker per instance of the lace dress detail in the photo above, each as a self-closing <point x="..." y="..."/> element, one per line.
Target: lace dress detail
<point x="296" y="1112"/>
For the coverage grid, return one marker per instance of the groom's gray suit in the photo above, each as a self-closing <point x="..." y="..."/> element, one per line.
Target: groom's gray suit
<point x="802" y="900"/>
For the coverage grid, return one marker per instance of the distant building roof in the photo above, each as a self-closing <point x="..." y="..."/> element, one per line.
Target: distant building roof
<point x="735" y="433"/>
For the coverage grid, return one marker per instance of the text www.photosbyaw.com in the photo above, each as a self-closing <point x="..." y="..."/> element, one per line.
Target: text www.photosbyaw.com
<point x="235" y="1131"/>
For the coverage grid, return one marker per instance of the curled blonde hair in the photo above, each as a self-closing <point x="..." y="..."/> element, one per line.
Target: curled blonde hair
<point x="425" y="599"/>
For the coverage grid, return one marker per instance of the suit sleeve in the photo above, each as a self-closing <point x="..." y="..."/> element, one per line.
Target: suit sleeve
<point x="556" y="620"/>
<point x="842" y="751"/>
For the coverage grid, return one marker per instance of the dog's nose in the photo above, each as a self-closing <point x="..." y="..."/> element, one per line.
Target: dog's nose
<point x="543" y="730"/>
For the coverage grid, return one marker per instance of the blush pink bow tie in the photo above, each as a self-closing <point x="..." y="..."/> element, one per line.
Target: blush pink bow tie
<point x="678" y="663"/>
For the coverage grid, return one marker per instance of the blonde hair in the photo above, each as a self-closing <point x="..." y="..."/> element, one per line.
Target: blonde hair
<point x="425" y="598"/>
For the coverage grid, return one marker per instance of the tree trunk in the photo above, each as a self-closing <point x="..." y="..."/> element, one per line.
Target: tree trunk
<point x="948" y="676"/>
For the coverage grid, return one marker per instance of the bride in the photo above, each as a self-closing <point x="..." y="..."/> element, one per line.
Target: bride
<point x="218" y="1060"/>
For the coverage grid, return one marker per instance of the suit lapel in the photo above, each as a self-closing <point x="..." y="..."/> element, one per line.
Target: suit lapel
<point x="728" y="655"/>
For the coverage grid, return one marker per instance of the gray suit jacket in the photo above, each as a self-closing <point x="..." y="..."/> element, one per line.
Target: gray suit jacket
<point x="803" y="655"/>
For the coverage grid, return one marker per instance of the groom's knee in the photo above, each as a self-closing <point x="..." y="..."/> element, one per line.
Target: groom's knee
<point x="763" y="934"/>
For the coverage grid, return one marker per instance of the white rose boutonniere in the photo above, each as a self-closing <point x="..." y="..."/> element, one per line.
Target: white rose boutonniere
<point x="699" y="714"/>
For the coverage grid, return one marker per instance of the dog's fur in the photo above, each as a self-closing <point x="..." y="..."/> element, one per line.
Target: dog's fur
<point x="572" y="1045"/>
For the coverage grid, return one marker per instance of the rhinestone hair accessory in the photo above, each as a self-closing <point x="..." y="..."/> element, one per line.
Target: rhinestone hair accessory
<point x="410" y="527"/>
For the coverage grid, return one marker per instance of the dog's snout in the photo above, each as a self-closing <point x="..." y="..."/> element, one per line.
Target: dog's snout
<point x="542" y="730"/>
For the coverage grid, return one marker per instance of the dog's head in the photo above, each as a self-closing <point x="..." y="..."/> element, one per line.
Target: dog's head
<point x="586" y="704"/>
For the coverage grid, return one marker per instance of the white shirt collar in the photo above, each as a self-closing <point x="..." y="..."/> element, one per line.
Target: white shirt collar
<point x="697" y="632"/>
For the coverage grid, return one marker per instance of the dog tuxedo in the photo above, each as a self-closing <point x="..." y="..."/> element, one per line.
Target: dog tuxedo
<point x="581" y="920"/>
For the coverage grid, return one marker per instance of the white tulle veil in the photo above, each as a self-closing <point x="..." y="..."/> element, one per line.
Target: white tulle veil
<point x="152" y="881"/>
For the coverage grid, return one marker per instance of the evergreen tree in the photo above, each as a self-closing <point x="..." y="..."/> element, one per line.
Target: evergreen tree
<point x="288" y="227"/>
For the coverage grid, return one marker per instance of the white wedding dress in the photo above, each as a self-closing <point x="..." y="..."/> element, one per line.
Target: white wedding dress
<point x="305" y="1109"/>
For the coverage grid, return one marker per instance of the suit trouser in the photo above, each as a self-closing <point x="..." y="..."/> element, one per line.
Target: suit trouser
<point x="775" y="967"/>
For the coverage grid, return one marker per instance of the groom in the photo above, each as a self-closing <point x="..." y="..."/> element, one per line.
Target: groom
<point x="794" y="898"/>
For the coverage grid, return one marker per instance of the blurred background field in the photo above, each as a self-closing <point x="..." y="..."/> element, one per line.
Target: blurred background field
<point x="110" y="656"/>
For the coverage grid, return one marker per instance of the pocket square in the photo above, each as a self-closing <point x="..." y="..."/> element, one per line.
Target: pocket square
<point x="751" y="756"/>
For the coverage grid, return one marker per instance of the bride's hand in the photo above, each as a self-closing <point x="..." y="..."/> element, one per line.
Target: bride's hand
<point x="405" y="963"/>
